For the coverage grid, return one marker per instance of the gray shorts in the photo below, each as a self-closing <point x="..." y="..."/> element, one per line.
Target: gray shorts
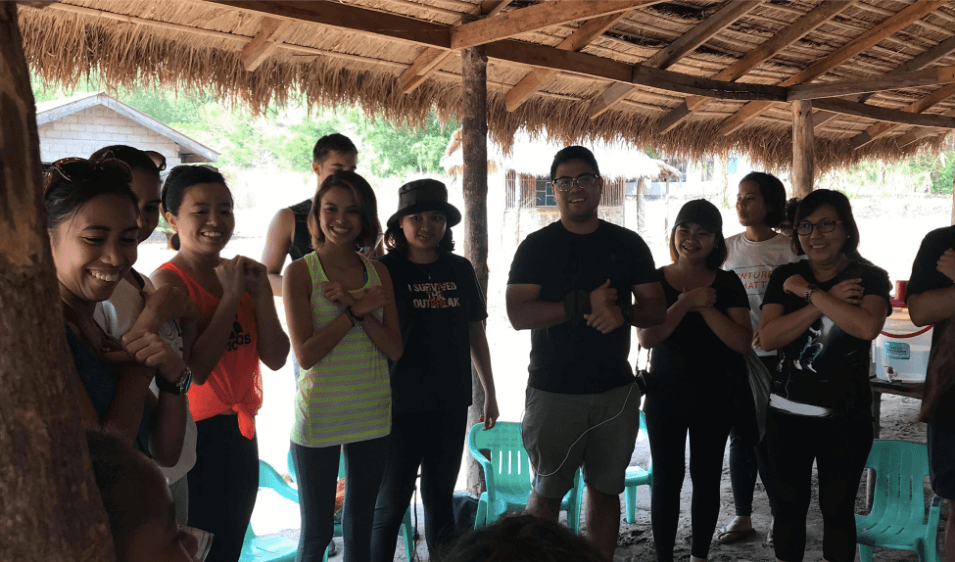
<point x="554" y="422"/>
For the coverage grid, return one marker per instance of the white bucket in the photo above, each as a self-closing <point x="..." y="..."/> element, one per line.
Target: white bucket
<point x="901" y="350"/>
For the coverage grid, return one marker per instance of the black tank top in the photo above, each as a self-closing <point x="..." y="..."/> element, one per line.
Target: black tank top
<point x="301" y="240"/>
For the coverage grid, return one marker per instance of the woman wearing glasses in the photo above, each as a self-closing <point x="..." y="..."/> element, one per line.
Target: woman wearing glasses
<point x="137" y="304"/>
<point x="239" y="327"/>
<point x="92" y="219"/>
<point x="822" y="315"/>
<point x="694" y="375"/>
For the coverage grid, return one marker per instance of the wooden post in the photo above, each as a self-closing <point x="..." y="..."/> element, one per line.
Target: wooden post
<point x="49" y="504"/>
<point x="953" y="203"/>
<point x="804" y="164"/>
<point x="474" y="149"/>
<point x="642" y="182"/>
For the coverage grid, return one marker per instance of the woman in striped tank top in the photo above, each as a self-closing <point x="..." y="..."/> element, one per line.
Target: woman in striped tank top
<point x="344" y="328"/>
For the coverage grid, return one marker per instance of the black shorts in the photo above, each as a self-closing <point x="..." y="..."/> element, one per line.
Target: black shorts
<point x="941" y="459"/>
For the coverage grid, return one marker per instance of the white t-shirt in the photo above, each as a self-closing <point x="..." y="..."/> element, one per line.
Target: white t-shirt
<point x="754" y="262"/>
<point x="117" y="316"/>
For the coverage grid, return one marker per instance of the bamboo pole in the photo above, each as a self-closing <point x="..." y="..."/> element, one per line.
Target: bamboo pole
<point x="803" y="155"/>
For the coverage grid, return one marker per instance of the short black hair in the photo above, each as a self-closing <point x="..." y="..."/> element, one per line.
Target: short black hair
<point x="135" y="158"/>
<point x="774" y="196"/>
<point x="396" y="241"/>
<point x="178" y="181"/>
<point x="791" y="207"/>
<point x="573" y="153"/>
<point x="839" y="202"/>
<point x="65" y="194"/>
<point x="367" y="208"/>
<point x="335" y="142"/>
<point x="522" y="538"/>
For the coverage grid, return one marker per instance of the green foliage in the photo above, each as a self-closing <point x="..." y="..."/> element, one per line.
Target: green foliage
<point x="946" y="175"/>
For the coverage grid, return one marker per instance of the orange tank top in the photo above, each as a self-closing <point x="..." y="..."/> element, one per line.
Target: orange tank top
<point x="235" y="384"/>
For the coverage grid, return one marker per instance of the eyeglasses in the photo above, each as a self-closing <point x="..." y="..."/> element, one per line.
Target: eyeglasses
<point x="126" y="153"/>
<point x="584" y="181"/>
<point x="805" y="228"/>
<point x="81" y="169"/>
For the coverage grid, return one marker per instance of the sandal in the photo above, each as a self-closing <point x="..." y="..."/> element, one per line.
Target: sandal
<point x="730" y="536"/>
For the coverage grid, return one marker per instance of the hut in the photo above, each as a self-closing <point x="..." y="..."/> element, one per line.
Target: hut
<point x="522" y="175"/>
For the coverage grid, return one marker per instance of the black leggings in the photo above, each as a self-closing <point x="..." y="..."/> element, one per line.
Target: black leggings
<point x="434" y="440"/>
<point x="223" y="485"/>
<point x="840" y="448"/>
<point x="317" y="472"/>
<point x="671" y="414"/>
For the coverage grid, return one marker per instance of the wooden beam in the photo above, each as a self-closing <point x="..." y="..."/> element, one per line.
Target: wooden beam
<point x="883" y="114"/>
<point x="271" y="34"/>
<point x="868" y="39"/>
<point x="893" y="81"/>
<point x="576" y="41"/>
<point x="877" y="130"/>
<point x="430" y="59"/>
<point x="804" y="159"/>
<point x="538" y="16"/>
<point x="796" y="31"/>
<point x="684" y="44"/>
<point x="939" y="51"/>
<point x="688" y="84"/>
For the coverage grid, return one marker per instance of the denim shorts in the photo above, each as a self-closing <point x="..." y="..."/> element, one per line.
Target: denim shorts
<point x="565" y="431"/>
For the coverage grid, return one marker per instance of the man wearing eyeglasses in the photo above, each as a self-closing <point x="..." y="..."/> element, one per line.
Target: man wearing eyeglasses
<point x="288" y="232"/>
<point x="931" y="300"/>
<point x="571" y="284"/>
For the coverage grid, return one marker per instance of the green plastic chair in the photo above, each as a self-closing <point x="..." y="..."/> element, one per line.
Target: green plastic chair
<point x="407" y="530"/>
<point x="636" y="477"/>
<point x="898" y="519"/>
<point x="508" y="475"/>
<point x="272" y="548"/>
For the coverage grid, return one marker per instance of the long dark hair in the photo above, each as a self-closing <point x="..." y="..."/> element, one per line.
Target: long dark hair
<point x="367" y="208"/>
<point x="837" y="201"/>
<point x="178" y="181"/>
<point x="72" y="182"/>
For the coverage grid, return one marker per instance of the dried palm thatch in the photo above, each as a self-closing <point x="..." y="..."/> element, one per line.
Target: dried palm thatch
<point x="190" y="43"/>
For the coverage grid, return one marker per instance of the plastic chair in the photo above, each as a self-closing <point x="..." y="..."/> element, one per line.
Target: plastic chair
<point x="272" y="548"/>
<point x="407" y="530"/>
<point x="508" y="475"/>
<point x="636" y="477"/>
<point x="897" y="519"/>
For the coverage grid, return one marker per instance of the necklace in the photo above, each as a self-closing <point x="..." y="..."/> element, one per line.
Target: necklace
<point x="429" y="271"/>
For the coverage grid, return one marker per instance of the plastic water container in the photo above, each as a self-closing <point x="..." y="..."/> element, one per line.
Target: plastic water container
<point x="901" y="350"/>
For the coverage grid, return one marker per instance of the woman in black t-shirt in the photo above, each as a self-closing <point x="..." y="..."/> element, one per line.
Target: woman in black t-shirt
<point x="441" y="311"/>
<point x="822" y="315"/>
<point x="695" y="373"/>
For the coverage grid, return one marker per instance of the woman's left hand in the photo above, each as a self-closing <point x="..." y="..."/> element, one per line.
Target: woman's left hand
<point x="334" y="292"/>
<point x="150" y="351"/>
<point x="795" y="285"/>
<point x="256" y="278"/>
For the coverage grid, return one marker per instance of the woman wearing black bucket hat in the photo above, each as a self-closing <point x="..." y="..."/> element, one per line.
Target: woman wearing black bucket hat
<point x="694" y="375"/>
<point x="441" y="310"/>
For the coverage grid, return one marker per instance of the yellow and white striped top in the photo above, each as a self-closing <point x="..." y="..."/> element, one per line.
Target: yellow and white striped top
<point x="346" y="397"/>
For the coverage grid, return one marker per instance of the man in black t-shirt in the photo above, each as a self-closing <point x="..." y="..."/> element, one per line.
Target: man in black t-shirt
<point x="571" y="284"/>
<point x="931" y="300"/>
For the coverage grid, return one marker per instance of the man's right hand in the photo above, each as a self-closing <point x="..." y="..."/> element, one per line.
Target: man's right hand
<point x="605" y="316"/>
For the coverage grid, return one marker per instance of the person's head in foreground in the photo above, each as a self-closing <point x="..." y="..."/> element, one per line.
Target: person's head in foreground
<point x="577" y="185"/>
<point x="424" y="219"/>
<point x="141" y="512"/>
<point x="761" y="200"/>
<point x="522" y="538"/>
<point x="824" y="228"/>
<point x="697" y="235"/>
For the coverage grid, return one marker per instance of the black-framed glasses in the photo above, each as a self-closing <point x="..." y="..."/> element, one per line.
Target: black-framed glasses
<point x="127" y="153"/>
<point x="584" y="181"/>
<point x="81" y="169"/>
<point x="825" y="225"/>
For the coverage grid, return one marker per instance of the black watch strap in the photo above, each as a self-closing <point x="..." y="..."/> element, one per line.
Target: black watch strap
<point x="177" y="388"/>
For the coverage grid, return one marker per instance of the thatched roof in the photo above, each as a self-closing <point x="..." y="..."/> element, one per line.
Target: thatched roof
<point x="532" y="156"/>
<point x="371" y="52"/>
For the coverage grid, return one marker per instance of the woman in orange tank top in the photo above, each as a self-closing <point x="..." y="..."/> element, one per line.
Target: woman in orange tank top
<point x="238" y="326"/>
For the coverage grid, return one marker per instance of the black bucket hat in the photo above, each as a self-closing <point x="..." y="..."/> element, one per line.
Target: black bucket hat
<point x="424" y="195"/>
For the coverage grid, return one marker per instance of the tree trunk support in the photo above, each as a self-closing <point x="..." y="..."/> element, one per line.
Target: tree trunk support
<point x="474" y="149"/>
<point x="50" y="507"/>
<point x="804" y="165"/>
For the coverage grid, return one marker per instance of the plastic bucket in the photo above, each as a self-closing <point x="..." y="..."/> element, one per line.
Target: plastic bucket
<point x="901" y="351"/>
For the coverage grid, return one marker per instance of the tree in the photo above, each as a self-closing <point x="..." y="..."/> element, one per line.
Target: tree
<point x="50" y="508"/>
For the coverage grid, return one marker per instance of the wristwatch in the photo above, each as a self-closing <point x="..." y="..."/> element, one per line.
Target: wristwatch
<point x="810" y="289"/>
<point x="179" y="387"/>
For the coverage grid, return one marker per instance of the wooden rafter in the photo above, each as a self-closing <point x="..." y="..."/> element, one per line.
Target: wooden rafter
<point x="918" y="133"/>
<point x="893" y="81"/>
<point x="883" y="114"/>
<point x="271" y="33"/>
<point x="877" y="130"/>
<point x="577" y="40"/>
<point x="939" y="51"/>
<point x="684" y="44"/>
<point x="538" y="16"/>
<point x="431" y="58"/>
<point x="870" y="38"/>
<point x="799" y="29"/>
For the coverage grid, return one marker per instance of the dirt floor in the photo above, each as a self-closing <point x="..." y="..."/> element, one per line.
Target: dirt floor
<point x="635" y="543"/>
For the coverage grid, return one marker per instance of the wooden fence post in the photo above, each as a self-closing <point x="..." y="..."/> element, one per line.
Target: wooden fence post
<point x="804" y="164"/>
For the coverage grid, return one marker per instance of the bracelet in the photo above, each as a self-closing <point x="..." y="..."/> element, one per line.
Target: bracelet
<point x="355" y="319"/>
<point x="810" y="289"/>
